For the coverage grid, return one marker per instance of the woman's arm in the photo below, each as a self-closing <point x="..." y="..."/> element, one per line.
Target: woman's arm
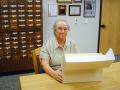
<point x="55" y="74"/>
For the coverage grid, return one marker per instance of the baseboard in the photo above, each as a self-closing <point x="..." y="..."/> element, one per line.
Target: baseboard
<point x="16" y="72"/>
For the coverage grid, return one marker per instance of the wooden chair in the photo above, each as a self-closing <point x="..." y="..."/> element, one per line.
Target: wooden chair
<point x="36" y="61"/>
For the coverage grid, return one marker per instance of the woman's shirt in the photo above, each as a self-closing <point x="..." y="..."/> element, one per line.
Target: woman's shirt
<point x="53" y="52"/>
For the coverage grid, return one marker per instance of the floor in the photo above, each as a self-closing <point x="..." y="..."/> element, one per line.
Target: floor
<point x="11" y="82"/>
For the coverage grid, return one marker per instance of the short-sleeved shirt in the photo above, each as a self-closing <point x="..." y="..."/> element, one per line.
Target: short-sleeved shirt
<point x="53" y="52"/>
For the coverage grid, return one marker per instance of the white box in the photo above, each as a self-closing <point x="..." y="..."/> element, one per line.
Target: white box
<point x="79" y="67"/>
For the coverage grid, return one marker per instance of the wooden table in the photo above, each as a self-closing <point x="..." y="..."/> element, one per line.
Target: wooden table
<point x="111" y="81"/>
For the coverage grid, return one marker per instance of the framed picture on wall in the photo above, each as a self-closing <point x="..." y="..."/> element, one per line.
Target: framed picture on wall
<point x="74" y="10"/>
<point x="89" y="8"/>
<point x="52" y="10"/>
<point x="61" y="9"/>
<point x="77" y="1"/>
<point x="64" y="1"/>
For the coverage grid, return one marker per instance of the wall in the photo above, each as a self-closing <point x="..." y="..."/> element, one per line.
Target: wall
<point x="85" y="32"/>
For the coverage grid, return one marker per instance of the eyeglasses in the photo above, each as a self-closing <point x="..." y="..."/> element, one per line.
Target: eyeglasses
<point x="62" y="28"/>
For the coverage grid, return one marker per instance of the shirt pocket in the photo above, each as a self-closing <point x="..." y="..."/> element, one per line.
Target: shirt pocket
<point x="57" y="57"/>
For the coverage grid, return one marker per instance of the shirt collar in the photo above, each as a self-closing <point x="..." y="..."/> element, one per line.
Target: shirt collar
<point x="56" y="45"/>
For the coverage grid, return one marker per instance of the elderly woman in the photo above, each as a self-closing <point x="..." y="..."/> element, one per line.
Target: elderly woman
<point x="52" y="52"/>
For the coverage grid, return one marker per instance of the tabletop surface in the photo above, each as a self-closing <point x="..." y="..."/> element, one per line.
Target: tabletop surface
<point x="111" y="81"/>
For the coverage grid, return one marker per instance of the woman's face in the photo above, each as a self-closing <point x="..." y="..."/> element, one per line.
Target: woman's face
<point x="61" y="30"/>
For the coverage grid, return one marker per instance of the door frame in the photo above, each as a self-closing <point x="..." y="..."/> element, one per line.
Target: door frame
<point x="100" y="19"/>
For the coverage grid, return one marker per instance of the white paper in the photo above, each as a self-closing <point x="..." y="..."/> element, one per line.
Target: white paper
<point x="89" y="57"/>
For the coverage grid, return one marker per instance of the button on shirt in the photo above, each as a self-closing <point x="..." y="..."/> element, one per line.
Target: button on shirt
<point x="53" y="52"/>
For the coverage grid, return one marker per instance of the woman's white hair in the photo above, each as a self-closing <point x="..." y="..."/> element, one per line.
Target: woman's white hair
<point x="59" y="20"/>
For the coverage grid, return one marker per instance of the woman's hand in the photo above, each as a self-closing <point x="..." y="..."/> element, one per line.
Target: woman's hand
<point x="58" y="76"/>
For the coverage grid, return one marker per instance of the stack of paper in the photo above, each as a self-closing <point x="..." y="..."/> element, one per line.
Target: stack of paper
<point x="85" y="67"/>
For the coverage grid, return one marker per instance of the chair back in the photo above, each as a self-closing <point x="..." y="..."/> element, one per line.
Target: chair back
<point x="36" y="62"/>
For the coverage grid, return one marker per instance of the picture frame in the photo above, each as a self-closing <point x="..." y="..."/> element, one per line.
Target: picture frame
<point x="74" y="10"/>
<point x="77" y="1"/>
<point x="89" y="8"/>
<point x="61" y="9"/>
<point x="52" y="10"/>
<point x="64" y="1"/>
